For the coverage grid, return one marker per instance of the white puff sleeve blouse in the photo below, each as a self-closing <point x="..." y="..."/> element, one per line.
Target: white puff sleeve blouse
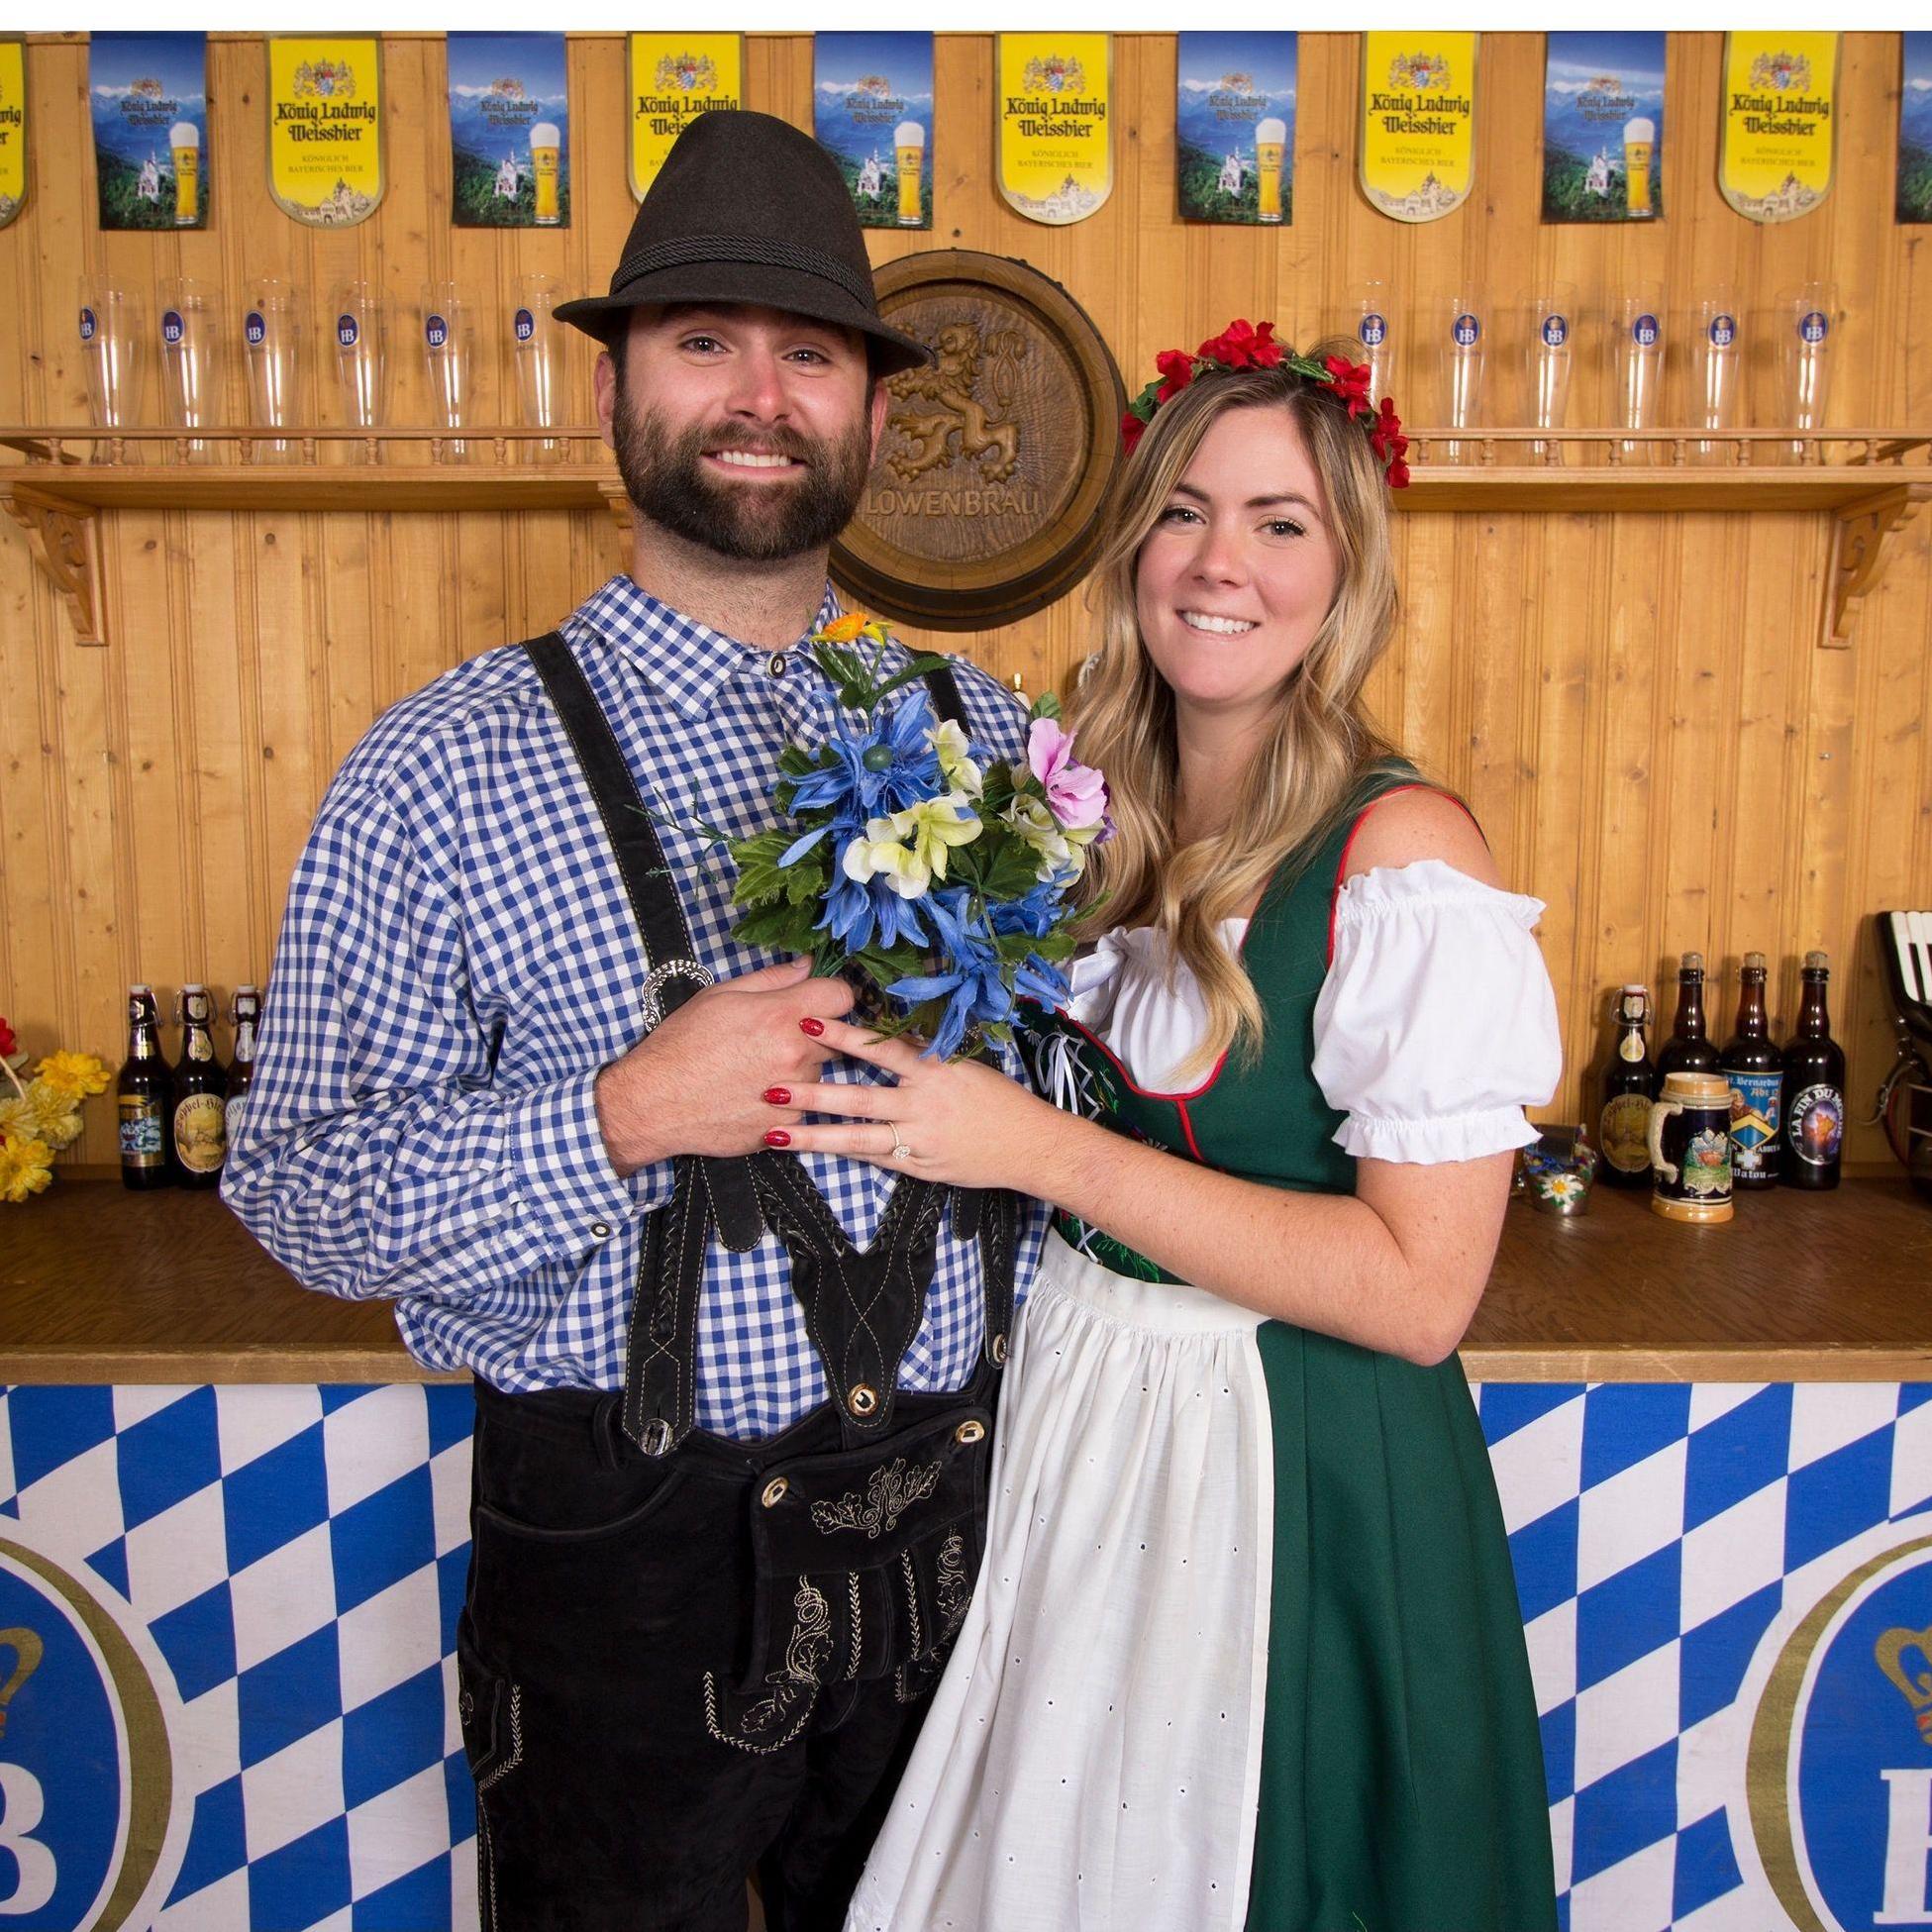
<point x="1435" y="1028"/>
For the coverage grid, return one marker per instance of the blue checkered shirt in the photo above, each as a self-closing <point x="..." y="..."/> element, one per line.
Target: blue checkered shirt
<point x="457" y="962"/>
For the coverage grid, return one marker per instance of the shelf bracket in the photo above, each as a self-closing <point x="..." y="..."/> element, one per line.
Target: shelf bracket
<point x="62" y="534"/>
<point x="1858" y="550"/>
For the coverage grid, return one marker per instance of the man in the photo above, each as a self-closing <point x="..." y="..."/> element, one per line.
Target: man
<point x="733" y="1404"/>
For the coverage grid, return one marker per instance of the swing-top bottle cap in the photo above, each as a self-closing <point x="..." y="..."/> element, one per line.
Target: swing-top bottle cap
<point x="1817" y="962"/>
<point x="1754" y="962"/>
<point x="1692" y="962"/>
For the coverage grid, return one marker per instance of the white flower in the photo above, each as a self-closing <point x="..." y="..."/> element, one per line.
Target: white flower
<point x="909" y="848"/>
<point x="1035" y="826"/>
<point x="958" y="771"/>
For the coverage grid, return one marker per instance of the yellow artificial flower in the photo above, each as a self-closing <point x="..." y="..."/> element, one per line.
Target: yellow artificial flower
<point x="43" y="1113"/>
<point x="958" y="771"/>
<point x="26" y="1166"/>
<point x="909" y="848"/>
<point x="1033" y="824"/>
<point x="77" y="1074"/>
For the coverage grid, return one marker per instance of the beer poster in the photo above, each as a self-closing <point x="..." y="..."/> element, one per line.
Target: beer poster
<point x="1603" y="128"/>
<point x="509" y="131"/>
<point x="1418" y="123"/>
<point x="13" y="127"/>
<point x="325" y="127"/>
<point x="1234" y="127"/>
<point x="676" y="77"/>
<point x="873" y="113"/>
<point x="1053" y="133"/>
<point x="1914" y="129"/>
<point x="148" y="93"/>
<point x="1779" y="127"/>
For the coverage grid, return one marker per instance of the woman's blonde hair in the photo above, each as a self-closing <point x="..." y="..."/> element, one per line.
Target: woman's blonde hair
<point x="1322" y="737"/>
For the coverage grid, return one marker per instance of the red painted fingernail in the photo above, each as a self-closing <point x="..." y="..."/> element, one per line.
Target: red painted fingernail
<point x="813" y="1027"/>
<point x="780" y="1096"/>
<point x="778" y="1137"/>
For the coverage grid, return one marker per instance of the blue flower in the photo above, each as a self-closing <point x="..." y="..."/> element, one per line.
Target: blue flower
<point x="1036" y="913"/>
<point x="855" y="912"/>
<point x="877" y="772"/>
<point x="969" y="980"/>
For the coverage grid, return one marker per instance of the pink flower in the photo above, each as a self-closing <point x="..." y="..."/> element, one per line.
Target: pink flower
<point x="1076" y="794"/>
<point x="8" y="1044"/>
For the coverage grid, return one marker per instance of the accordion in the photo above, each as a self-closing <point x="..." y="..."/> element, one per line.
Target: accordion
<point x="1905" y="1097"/>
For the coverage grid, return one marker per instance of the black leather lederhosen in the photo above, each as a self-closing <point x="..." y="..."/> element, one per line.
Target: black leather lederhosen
<point x="888" y="1528"/>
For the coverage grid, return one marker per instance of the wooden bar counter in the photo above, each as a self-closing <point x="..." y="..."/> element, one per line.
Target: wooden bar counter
<point x="100" y="1286"/>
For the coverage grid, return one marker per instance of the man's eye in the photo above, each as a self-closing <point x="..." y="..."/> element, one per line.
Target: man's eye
<point x="701" y="341"/>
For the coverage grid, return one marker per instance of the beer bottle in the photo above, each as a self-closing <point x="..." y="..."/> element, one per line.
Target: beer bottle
<point x="1687" y="1051"/>
<point x="246" y="1013"/>
<point x="1813" y="1095"/>
<point x="1755" y="1069"/>
<point x="143" y="1090"/>
<point x="1623" y="1117"/>
<point x="197" y="1124"/>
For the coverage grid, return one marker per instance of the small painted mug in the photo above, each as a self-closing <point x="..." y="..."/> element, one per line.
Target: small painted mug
<point x="1690" y="1148"/>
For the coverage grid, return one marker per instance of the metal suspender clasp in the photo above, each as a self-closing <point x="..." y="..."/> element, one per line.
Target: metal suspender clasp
<point x="660" y="976"/>
<point x="656" y="1437"/>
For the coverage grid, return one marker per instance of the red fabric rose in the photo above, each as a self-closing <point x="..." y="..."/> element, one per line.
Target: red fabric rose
<point x="1132" y="429"/>
<point x="1176" y="367"/>
<point x="1243" y="345"/>
<point x="9" y="1046"/>
<point x="1385" y="432"/>
<point x="1350" y="382"/>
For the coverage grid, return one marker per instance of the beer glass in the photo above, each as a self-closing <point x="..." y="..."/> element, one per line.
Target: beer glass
<point x="1715" y="354"/>
<point x="536" y="342"/>
<point x="910" y="152"/>
<point x="1270" y="144"/>
<point x="1463" y="342"/>
<point x="357" y="325"/>
<point x="449" y="356"/>
<point x="1553" y="329"/>
<point x="546" y="162"/>
<point x="1807" y="318"/>
<point x="1637" y="359"/>
<point x="272" y="349"/>
<point x="184" y="139"/>
<point x="111" y="337"/>
<point x="191" y="360"/>
<point x="1371" y="322"/>
<point x="1639" y="145"/>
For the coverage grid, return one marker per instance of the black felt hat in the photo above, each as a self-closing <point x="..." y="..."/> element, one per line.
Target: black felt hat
<point x="748" y="209"/>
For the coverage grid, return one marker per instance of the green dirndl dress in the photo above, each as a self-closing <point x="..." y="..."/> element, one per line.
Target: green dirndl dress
<point x="1394" y="1770"/>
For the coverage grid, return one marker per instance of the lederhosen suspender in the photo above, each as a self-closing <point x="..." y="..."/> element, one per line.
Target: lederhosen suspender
<point x="861" y="1310"/>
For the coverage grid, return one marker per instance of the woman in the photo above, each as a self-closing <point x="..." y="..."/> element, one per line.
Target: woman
<point x="1246" y="1646"/>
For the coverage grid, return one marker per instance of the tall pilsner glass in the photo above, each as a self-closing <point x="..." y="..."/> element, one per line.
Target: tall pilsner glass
<point x="1463" y="341"/>
<point x="536" y="342"/>
<point x="1371" y="322"/>
<point x="449" y="359"/>
<point x="191" y="360"/>
<point x="356" y="322"/>
<point x="112" y="338"/>
<point x="1807" y="323"/>
<point x="1552" y="330"/>
<point x="271" y="347"/>
<point x="1714" y="357"/>
<point x="1637" y="358"/>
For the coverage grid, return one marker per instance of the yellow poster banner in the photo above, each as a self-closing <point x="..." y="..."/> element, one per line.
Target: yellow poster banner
<point x="1052" y="124"/>
<point x="13" y="129"/>
<point x="676" y="77"/>
<point x="1779" y="122"/>
<point x="325" y="127"/>
<point x="1418" y="123"/>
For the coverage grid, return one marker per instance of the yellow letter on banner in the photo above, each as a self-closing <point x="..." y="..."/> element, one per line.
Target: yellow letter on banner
<point x="676" y="77"/>
<point x="1418" y="123"/>
<point x="325" y="127"/>
<point x="13" y="127"/>
<point x="1052" y="124"/>
<point x="1779" y="122"/>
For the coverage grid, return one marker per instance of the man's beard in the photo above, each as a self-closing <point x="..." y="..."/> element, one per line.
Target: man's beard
<point x="665" y="478"/>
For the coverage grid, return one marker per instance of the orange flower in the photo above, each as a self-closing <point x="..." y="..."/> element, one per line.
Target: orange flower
<point x="842" y="630"/>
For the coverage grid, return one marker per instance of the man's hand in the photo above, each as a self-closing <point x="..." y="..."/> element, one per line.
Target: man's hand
<point x="697" y="1085"/>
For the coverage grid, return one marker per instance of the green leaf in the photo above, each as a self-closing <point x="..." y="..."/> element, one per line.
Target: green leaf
<point x="805" y="879"/>
<point x="1011" y="869"/>
<point x="782" y="928"/>
<point x="758" y="876"/>
<point x="917" y="669"/>
<point x="794" y="760"/>
<point x="1046" y="705"/>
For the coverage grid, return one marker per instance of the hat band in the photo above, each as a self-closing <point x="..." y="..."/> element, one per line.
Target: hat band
<point x="754" y="251"/>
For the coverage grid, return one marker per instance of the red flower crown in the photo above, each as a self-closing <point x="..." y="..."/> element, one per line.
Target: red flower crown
<point x="1244" y="345"/>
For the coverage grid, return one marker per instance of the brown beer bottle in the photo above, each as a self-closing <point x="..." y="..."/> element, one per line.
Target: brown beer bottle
<point x="246" y="1013"/>
<point x="1814" y="1088"/>
<point x="197" y="1125"/>
<point x="1687" y="1051"/>
<point x="142" y="1091"/>
<point x="1623" y="1115"/>
<point x="1755" y="1069"/>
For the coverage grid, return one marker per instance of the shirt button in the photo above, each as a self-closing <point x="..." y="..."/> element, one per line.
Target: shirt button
<point x="775" y="664"/>
<point x="600" y="1229"/>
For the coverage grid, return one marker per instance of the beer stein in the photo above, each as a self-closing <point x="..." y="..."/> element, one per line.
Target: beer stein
<point x="1715" y="354"/>
<point x="1690" y="1148"/>
<point x="191" y="372"/>
<point x="357" y="325"/>
<point x="536" y="343"/>
<point x="1637" y="358"/>
<point x="1807" y="320"/>
<point x="270" y="347"/>
<point x="1552" y="330"/>
<point x="111" y="335"/>
<point x="1464" y="346"/>
<point x="1371" y="322"/>
<point x="909" y="156"/>
<point x="450" y="357"/>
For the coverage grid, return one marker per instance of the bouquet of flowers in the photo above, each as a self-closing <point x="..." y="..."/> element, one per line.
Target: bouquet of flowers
<point x="41" y="1115"/>
<point x="934" y="877"/>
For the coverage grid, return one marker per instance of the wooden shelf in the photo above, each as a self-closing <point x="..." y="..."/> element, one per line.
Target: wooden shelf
<point x="1869" y="481"/>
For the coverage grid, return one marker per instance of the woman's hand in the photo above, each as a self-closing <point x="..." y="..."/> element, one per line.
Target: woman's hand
<point x="963" y="1121"/>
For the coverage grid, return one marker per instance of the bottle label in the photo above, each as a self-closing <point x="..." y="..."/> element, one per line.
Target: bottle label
<point x="1624" y="1133"/>
<point x="1631" y="1048"/>
<point x="1374" y="331"/>
<point x="200" y="1046"/>
<point x="1816" y="1128"/>
<point x="140" y="1130"/>
<point x="234" y="1115"/>
<point x="200" y="1133"/>
<point x="1753" y="1119"/>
